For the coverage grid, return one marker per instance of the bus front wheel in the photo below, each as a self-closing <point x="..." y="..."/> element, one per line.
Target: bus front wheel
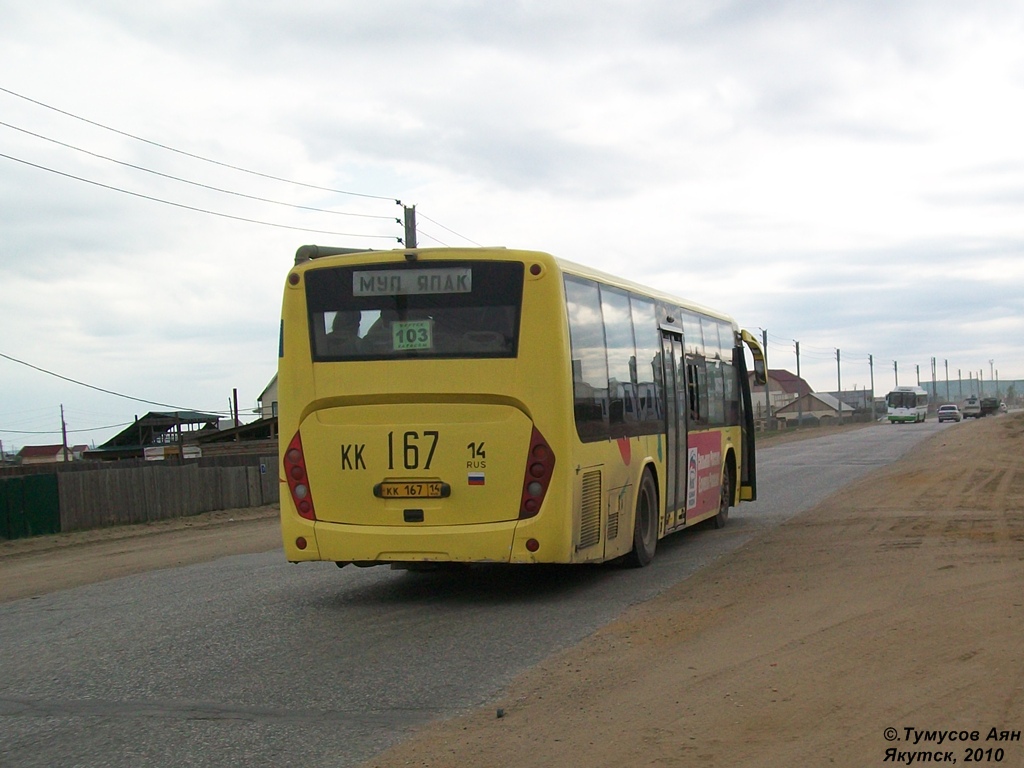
<point x="645" y="522"/>
<point x="724" y="500"/>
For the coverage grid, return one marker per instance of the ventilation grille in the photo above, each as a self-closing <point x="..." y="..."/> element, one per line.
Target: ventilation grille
<point x="590" y="513"/>
<point x="613" y="520"/>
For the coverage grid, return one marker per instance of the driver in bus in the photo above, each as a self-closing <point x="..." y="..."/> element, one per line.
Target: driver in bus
<point x="344" y="336"/>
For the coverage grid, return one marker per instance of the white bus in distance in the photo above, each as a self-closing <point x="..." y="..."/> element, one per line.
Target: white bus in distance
<point x="907" y="404"/>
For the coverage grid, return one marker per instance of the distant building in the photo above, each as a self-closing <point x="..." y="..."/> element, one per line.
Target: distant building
<point x="817" y="406"/>
<point x="268" y="400"/>
<point x="50" y="454"/>
<point x="858" y="399"/>
<point x="157" y="429"/>
<point x="783" y="388"/>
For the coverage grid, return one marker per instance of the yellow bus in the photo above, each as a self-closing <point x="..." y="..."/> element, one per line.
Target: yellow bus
<point x="501" y="406"/>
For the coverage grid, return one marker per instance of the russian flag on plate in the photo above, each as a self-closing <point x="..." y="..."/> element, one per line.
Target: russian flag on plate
<point x="476" y="478"/>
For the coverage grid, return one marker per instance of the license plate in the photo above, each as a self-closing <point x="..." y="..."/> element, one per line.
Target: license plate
<point x="412" y="489"/>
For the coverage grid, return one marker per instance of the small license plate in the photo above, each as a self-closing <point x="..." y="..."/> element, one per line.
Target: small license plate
<point x="412" y="489"/>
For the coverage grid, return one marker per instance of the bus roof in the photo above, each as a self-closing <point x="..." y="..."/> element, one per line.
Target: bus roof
<point x="307" y="252"/>
<point x="582" y="270"/>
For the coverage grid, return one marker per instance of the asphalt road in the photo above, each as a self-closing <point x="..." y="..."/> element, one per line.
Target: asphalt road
<point x="251" y="661"/>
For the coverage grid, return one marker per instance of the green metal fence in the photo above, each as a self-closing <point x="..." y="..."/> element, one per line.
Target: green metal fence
<point x="29" y="506"/>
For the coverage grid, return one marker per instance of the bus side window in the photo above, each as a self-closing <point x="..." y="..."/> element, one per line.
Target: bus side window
<point x="589" y="360"/>
<point x="716" y="393"/>
<point x="696" y="388"/>
<point x="620" y="349"/>
<point x="645" y="366"/>
<point x="691" y="392"/>
<point x="732" y="389"/>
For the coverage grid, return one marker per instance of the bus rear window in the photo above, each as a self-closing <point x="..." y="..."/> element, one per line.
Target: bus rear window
<point x="419" y="310"/>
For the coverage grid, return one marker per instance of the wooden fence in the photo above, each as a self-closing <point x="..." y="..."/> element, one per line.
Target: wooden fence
<point x="107" y="495"/>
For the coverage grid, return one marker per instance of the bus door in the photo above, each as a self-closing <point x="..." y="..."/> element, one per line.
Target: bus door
<point x="675" y="429"/>
<point x="748" y="474"/>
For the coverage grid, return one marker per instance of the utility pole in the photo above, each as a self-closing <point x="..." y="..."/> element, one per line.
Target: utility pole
<point x="800" y="395"/>
<point x="935" y="390"/>
<point x="839" y="384"/>
<point x="410" y="225"/>
<point x="896" y="373"/>
<point x="63" y="433"/>
<point x="871" y="368"/>
<point x="767" y="383"/>
<point x="918" y="367"/>
<point x="947" y="379"/>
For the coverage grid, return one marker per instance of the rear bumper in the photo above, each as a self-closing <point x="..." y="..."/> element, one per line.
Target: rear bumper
<point x="480" y="543"/>
<point x="362" y="543"/>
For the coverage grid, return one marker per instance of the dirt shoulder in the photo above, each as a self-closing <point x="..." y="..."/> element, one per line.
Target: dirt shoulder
<point x="897" y="603"/>
<point x="43" y="564"/>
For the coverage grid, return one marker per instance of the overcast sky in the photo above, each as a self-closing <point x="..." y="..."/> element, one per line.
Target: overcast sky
<point x="846" y="174"/>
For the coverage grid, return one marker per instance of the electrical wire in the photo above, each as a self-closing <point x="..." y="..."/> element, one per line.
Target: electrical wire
<point x="217" y="189"/>
<point x="194" y="156"/>
<point x="61" y="431"/>
<point x="447" y="229"/>
<point x="196" y="183"/>
<point x="428" y="235"/>
<point x="104" y="391"/>
<point x="194" y="208"/>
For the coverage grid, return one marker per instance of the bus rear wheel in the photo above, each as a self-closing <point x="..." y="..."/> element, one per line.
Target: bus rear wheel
<point x="645" y="522"/>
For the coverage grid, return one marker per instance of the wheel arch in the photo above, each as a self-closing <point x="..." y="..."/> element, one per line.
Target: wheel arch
<point x="649" y="464"/>
<point x="645" y="535"/>
<point x="729" y="468"/>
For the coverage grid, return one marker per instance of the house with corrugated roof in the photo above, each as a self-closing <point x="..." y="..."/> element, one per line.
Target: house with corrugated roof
<point x="820" y="407"/>
<point x="50" y="454"/>
<point x="783" y="388"/>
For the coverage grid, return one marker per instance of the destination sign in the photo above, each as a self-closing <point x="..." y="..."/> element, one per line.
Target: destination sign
<point x="412" y="282"/>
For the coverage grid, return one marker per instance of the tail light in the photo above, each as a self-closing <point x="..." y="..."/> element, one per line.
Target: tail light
<point x="298" y="481"/>
<point x="540" y="464"/>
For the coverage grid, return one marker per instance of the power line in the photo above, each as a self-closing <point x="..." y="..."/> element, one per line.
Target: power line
<point x="196" y="183"/>
<point x="101" y="389"/>
<point x="60" y="431"/>
<point x="217" y="189"/>
<point x="194" y="156"/>
<point x="427" y="234"/>
<point x="447" y="229"/>
<point x="194" y="208"/>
